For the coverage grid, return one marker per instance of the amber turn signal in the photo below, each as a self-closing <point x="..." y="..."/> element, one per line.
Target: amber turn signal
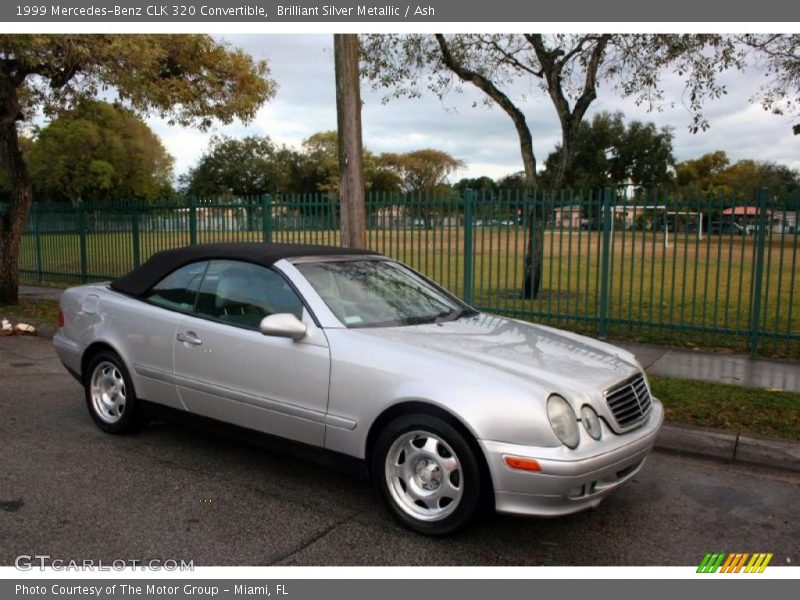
<point x="523" y="464"/>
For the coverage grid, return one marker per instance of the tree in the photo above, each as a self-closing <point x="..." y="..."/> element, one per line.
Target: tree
<point x="513" y="181"/>
<point x="321" y="152"/>
<point x="191" y="79"/>
<point x="479" y="184"/>
<point x="381" y="175"/>
<point x="422" y="170"/>
<point x="611" y="153"/>
<point x="351" y="150"/>
<point x="26" y="144"/>
<point x="780" y="55"/>
<point x="593" y="166"/>
<point x="567" y="67"/>
<point x="644" y="156"/>
<point x="712" y="174"/>
<point x="702" y="173"/>
<point x="250" y="166"/>
<point x="99" y="151"/>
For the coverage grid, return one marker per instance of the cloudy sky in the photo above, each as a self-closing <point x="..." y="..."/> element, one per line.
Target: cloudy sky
<point x="482" y="137"/>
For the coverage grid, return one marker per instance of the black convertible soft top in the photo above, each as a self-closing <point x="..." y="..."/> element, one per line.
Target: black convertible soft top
<point x="139" y="281"/>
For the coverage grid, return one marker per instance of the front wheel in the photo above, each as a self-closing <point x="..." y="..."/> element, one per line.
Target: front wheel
<point x="427" y="474"/>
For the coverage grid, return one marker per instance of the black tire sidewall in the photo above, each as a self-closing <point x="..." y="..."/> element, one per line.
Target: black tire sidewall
<point x="471" y="473"/>
<point x="130" y="420"/>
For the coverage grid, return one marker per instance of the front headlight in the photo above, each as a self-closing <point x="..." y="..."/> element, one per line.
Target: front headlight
<point x="563" y="421"/>
<point x="591" y="422"/>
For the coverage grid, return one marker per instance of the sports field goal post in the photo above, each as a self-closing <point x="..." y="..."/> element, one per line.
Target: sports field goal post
<point x="698" y="221"/>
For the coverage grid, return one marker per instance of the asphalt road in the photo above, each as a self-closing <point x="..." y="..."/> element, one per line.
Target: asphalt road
<point x="173" y="492"/>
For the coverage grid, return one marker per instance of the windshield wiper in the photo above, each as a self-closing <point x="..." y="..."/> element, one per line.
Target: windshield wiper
<point x="440" y="317"/>
<point x="454" y="315"/>
<point x="420" y="320"/>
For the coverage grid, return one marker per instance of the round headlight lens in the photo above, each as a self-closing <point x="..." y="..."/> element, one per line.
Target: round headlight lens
<point x="591" y="422"/>
<point x="563" y="421"/>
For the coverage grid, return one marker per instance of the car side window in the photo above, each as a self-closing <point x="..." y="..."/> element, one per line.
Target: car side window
<point x="243" y="293"/>
<point x="179" y="288"/>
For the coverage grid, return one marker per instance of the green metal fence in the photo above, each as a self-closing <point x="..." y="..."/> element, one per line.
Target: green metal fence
<point x="709" y="272"/>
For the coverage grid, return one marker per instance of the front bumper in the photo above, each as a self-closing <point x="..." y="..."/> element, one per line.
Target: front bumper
<point x="570" y="480"/>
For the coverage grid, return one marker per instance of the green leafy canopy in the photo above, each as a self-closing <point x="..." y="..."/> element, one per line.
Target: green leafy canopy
<point x="187" y="79"/>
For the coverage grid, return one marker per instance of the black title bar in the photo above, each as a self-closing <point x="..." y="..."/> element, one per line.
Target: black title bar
<point x="432" y="11"/>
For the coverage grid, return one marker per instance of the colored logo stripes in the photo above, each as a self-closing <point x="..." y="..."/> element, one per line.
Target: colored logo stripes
<point x="735" y="562"/>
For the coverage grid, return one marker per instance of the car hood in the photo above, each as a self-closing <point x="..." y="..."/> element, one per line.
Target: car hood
<point x="555" y="360"/>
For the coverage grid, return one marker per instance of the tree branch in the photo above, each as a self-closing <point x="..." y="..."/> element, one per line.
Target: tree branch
<point x="552" y="71"/>
<point x="590" y="84"/>
<point x="513" y="60"/>
<point x="490" y="89"/>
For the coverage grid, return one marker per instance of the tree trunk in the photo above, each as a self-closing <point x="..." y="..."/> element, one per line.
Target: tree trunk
<point x="569" y="147"/>
<point x="351" y="168"/>
<point x="534" y="253"/>
<point x="552" y="63"/>
<point x="15" y="216"/>
<point x="534" y="256"/>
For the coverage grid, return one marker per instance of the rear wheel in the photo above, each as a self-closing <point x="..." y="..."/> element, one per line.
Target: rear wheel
<point x="427" y="473"/>
<point x="110" y="396"/>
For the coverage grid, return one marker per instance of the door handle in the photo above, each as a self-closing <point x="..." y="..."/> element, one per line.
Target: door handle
<point x="189" y="338"/>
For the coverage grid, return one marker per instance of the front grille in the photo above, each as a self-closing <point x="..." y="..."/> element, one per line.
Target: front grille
<point x="629" y="401"/>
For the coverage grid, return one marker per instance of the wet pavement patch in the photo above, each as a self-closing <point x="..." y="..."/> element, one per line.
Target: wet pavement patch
<point x="11" y="505"/>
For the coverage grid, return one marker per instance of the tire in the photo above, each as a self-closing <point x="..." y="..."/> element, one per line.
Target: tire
<point x="427" y="474"/>
<point x="110" y="396"/>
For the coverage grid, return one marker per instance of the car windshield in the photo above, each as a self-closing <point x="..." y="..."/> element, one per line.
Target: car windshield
<point x="379" y="293"/>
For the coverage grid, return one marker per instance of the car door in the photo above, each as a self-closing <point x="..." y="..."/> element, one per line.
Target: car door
<point x="225" y="368"/>
<point x="150" y="332"/>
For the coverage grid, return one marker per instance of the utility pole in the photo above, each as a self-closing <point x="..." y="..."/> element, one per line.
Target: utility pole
<point x="351" y="166"/>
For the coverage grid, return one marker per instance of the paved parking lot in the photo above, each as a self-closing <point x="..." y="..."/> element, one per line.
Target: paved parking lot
<point x="70" y="491"/>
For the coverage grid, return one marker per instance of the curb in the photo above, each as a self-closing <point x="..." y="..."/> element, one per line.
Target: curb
<point x="709" y="443"/>
<point x="733" y="447"/>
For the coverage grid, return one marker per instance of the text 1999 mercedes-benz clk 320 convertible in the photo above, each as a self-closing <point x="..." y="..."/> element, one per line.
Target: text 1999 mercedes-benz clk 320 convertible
<point x="452" y="410"/>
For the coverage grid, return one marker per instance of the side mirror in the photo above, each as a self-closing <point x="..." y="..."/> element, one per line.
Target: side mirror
<point x="283" y="325"/>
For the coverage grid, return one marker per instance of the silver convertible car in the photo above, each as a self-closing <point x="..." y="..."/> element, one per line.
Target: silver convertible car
<point x="451" y="410"/>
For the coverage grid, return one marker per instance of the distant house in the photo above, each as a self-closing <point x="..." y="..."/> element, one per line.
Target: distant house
<point x="625" y="216"/>
<point x="746" y="213"/>
<point x="567" y="217"/>
<point x="778" y="221"/>
<point x="746" y="216"/>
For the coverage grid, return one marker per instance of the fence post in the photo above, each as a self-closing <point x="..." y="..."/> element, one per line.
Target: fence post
<point x="192" y="220"/>
<point x="82" y="237"/>
<point x="605" y="261"/>
<point x="37" y="232"/>
<point x="137" y="256"/>
<point x="758" y="270"/>
<point x="469" y="207"/>
<point x="266" y="218"/>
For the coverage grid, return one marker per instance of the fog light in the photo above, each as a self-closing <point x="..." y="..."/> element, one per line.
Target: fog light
<point x="591" y="422"/>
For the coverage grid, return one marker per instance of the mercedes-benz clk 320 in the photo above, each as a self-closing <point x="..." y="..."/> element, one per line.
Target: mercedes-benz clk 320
<point x="452" y="410"/>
